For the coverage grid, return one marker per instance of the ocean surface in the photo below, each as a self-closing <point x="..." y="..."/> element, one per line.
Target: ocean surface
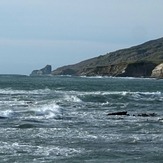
<point x="64" y="120"/>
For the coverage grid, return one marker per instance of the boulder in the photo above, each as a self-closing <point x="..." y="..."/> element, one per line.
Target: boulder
<point x="118" y="113"/>
<point x="158" y="71"/>
<point x="147" y="115"/>
<point x="137" y="115"/>
<point x="44" y="71"/>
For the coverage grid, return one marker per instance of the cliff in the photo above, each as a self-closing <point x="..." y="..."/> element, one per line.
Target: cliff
<point x="158" y="71"/>
<point x="137" y="61"/>
<point x="44" y="71"/>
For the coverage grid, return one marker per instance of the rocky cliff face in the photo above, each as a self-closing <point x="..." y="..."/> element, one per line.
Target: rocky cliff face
<point x="158" y="71"/>
<point x="44" y="71"/>
<point x="137" y="61"/>
<point x="110" y="70"/>
<point x="139" y="69"/>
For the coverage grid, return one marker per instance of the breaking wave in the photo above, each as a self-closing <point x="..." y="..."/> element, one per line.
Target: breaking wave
<point x="48" y="111"/>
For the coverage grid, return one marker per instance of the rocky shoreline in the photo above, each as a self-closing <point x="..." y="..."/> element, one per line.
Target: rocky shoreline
<point x="145" y="60"/>
<point x="145" y="70"/>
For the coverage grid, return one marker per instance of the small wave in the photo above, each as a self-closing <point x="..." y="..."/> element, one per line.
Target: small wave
<point x="57" y="151"/>
<point x="6" y="113"/>
<point x="102" y="96"/>
<point x="115" y="77"/>
<point x="72" y="98"/>
<point x="105" y="103"/>
<point x="124" y="93"/>
<point x="96" y="77"/>
<point x="9" y="91"/>
<point x="149" y="93"/>
<point x="17" y="103"/>
<point x="48" y="111"/>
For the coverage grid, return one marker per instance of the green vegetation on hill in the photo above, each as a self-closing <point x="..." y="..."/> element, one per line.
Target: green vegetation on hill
<point x="135" y="61"/>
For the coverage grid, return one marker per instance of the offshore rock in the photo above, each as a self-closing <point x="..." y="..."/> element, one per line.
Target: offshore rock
<point x="158" y="71"/>
<point x="42" y="72"/>
<point x="119" y="113"/>
<point x="147" y="115"/>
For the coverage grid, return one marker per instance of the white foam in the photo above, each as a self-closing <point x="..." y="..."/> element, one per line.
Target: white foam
<point x="9" y="91"/>
<point x="124" y="93"/>
<point x="14" y="103"/>
<point x="6" y="113"/>
<point x="72" y="98"/>
<point x="57" y="151"/>
<point x="51" y="110"/>
<point x="105" y="103"/>
<point x="93" y="77"/>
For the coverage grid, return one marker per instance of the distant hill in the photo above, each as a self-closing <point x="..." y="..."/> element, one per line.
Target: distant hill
<point x="136" y="61"/>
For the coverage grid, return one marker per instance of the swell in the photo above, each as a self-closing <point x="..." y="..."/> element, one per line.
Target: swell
<point x="48" y="102"/>
<point x="57" y="124"/>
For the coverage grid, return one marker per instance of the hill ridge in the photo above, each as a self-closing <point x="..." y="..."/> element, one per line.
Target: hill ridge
<point x="123" y="62"/>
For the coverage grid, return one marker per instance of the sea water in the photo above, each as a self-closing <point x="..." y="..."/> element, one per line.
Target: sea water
<point x="64" y="120"/>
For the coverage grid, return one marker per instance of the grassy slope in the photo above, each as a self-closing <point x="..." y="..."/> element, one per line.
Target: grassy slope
<point x="150" y="51"/>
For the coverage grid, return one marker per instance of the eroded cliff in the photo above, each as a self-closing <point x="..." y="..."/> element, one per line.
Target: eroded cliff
<point x="137" y="61"/>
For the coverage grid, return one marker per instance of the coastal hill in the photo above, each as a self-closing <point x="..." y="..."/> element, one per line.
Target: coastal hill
<point x="137" y="61"/>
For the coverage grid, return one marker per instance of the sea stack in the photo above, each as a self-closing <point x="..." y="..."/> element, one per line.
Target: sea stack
<point x="42" y="72"/>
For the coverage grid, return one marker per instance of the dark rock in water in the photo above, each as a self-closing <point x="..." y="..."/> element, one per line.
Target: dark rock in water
<point x="138" y="115"/>
<point x="119" y="113"/>
<point x="1" y="117"/>
<point x="161" y="119"/>
<point x="25" y="126"/>
<point x="44" y="71"/>
<point x="147" y="115"/>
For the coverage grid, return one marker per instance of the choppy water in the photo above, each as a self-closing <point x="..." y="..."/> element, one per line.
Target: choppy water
<point x="64" y="120"/>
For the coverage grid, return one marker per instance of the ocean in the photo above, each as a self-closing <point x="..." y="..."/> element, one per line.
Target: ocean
<point x="65" y="119"/>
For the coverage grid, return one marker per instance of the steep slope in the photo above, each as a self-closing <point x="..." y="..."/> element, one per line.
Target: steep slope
<point x="158" y="71"/>
<point x="135" y="61"/>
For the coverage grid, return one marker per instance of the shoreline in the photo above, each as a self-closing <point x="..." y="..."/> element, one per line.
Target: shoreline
<point x="80" y="76"/>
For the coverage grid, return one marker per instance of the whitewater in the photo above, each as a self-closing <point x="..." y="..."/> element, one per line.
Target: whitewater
<point x="64" y="119"/>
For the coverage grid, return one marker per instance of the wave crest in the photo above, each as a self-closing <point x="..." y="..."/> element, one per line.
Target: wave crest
<point x="48" y="111"/>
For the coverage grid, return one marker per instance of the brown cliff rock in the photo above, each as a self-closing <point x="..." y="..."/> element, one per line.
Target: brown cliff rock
<point x="137" y="61"/>
<point x="158" y="71"/>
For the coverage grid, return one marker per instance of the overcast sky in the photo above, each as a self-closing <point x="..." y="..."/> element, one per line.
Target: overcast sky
<point x="34" y="33"/>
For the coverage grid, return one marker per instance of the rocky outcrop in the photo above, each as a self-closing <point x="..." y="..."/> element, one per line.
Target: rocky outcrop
<point x="139" y="69"/>
<point x="158" y="71"/>
<point x="118" y="113"/>
<point x="44" y="71"/>
<point x="122" y="113"/>
<point x="110" y="70"/>
<point x="137" y="61"/>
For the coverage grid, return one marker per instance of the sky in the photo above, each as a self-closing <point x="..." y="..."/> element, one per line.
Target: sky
<point x="34" y="33"/>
